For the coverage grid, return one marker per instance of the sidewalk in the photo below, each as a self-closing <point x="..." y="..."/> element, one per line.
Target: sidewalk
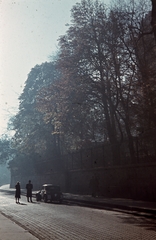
<point x="114" y="203"/>
<point x="9" y="230"/>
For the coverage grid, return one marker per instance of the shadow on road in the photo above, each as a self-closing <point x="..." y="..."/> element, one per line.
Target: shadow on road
<point x="8" y="192"/>
<point x="22" y="203"/>
<point x="146" y="222"/>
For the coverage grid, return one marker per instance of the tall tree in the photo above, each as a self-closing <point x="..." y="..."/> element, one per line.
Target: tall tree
<point x="32" y="134"/>
<point x="98" y="59"/>
<point x="90" y="55"/>
<point x="6" y="150"/>
<point x="97" y="97"/>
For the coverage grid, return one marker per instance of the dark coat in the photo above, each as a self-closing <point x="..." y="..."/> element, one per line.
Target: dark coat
<point x="18" y="191"/>
<point x="29" y="188"/>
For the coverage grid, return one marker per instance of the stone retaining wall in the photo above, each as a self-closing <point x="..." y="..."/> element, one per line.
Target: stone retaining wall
<point x="133" y="181"/>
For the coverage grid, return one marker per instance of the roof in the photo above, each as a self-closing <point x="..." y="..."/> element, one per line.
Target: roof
<point x="50" y="185"/>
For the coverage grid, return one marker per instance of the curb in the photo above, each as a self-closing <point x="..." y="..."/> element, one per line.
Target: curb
<point x="112" y="206"/>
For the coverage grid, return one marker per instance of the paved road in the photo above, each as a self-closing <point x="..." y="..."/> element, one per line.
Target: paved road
<point x="55" y="221"/>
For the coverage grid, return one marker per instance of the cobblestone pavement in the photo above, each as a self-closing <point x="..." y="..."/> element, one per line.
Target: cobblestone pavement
<point x="55" y="221"/>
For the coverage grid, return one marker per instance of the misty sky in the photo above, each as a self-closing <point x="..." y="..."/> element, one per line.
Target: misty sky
<point x="29" y="30"/>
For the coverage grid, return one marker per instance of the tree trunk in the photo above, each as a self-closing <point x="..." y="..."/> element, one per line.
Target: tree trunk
<point x="112" y="135"/>
<point x="153" y="16"/>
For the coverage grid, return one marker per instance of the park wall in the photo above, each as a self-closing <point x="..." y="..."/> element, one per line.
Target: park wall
<point x="132" y="181"/>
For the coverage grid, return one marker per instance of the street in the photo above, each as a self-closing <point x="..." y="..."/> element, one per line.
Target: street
<point x="69" y="221"/>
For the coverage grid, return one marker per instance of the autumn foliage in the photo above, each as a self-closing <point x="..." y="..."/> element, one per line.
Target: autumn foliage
<point x="100" y="89"/>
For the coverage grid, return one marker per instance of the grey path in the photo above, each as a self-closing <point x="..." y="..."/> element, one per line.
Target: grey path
<point x="9" y="230"/>
<point x="55" y="221"/>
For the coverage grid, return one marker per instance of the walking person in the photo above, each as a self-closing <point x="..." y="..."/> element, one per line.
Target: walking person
<point x="29" y="187"/>
<point x="17" y="192"/>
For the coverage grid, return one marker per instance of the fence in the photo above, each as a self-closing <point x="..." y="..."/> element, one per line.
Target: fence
<point x="101" y="156"/>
